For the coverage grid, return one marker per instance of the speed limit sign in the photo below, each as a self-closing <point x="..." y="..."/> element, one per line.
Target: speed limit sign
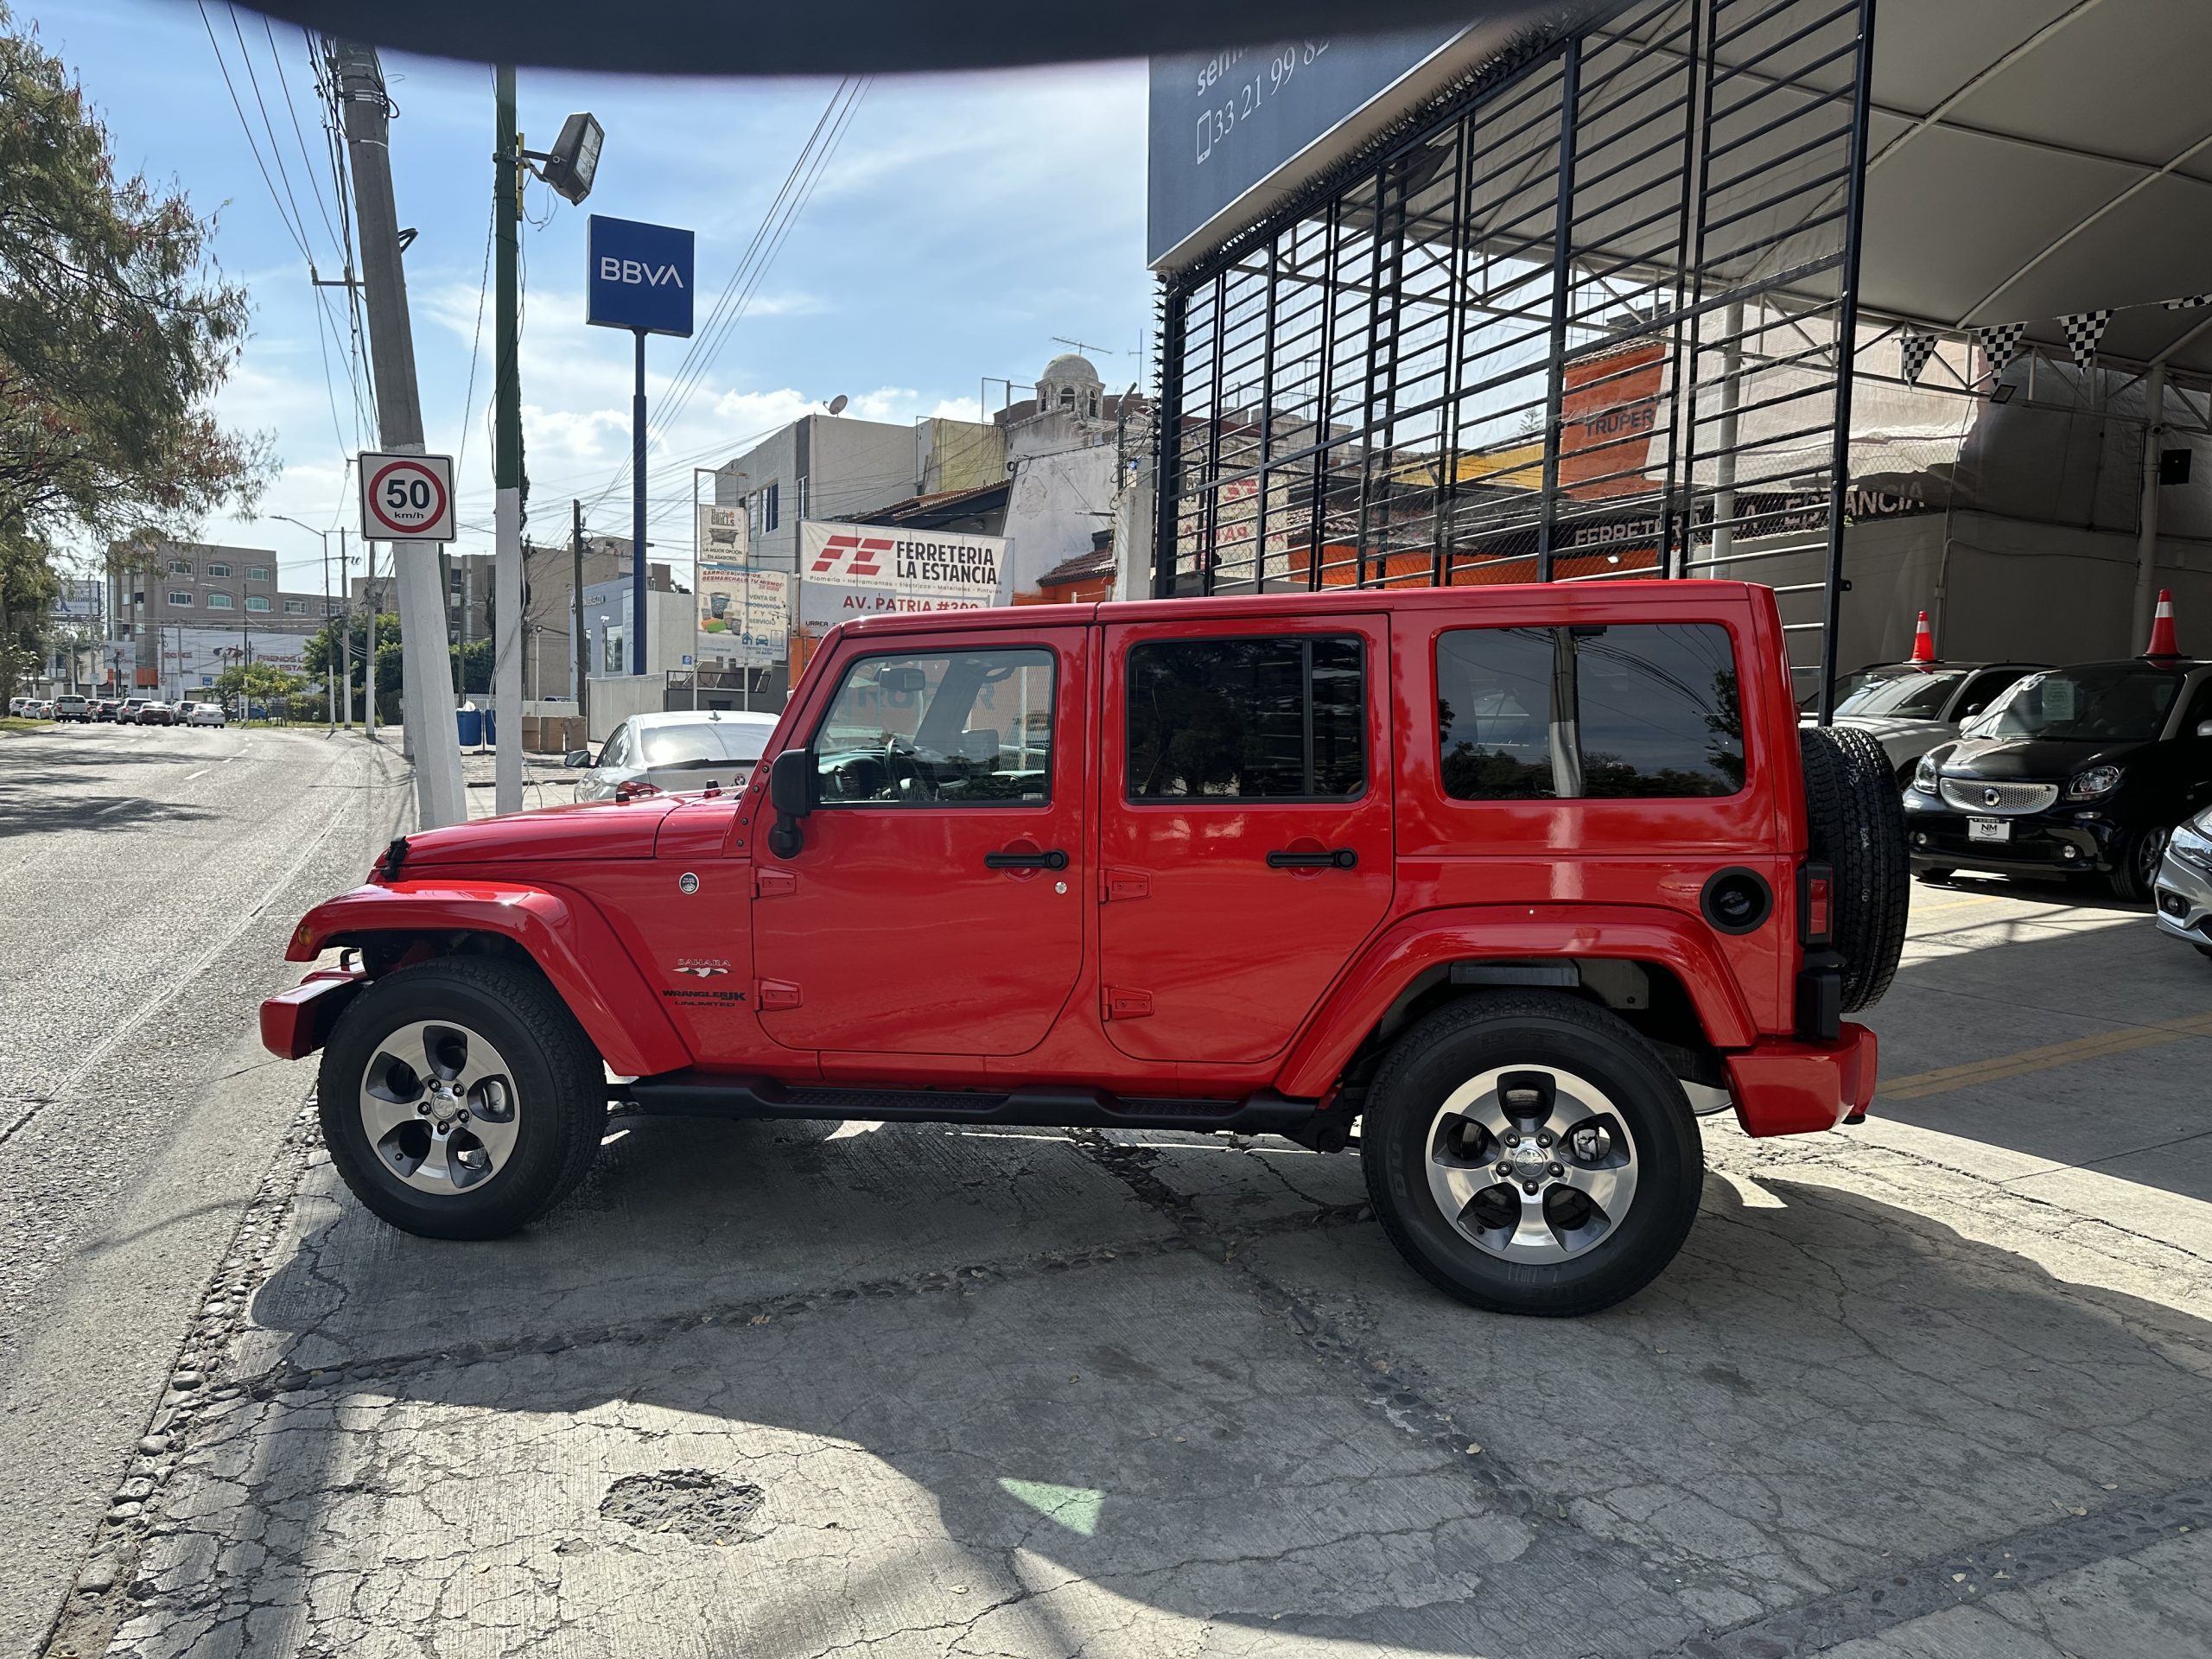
<point x="407" y="498"/>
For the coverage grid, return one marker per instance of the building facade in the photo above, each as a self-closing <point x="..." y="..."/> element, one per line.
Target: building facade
<point x="171" y="601"/>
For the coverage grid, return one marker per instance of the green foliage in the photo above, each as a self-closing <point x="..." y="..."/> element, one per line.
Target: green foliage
<point x="257" y="682"/>
<point x="115" y="330"/>
<point x="472" y="666"/>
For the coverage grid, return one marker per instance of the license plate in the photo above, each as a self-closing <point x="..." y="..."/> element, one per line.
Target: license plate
<point x="1989" y="829"/>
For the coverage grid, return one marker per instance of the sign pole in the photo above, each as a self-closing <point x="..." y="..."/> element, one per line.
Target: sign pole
<point x="638" y="514"/>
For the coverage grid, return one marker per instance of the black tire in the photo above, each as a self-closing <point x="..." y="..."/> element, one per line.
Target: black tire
<point x="1857" y="821"/>
<point x="1936" y="876"/>
<point x="557" y="1109"/>
<point x="2203" y="949"/>
<point x="1547" y="1029"/>
<point x="2136" y="867"/>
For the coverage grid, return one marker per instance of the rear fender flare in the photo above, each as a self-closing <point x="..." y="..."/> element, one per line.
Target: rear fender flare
<point x="1473" y="932"/>
<point x="565" y="935"/>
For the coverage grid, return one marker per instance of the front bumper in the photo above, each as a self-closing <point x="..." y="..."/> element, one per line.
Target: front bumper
<point x="296" y="1023"/>
<point x="1789" y="1087"/>
<point x="2182" y="895"/>
<point x="2067" y="839"/>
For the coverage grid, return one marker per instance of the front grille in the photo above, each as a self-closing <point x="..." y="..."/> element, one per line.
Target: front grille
<point x="2001" y="800"/>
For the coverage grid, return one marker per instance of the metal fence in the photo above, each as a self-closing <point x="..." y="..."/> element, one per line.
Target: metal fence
<point x="1577" y="319"/>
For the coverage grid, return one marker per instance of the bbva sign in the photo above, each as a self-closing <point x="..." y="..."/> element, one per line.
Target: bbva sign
<point x="638" y="275"/>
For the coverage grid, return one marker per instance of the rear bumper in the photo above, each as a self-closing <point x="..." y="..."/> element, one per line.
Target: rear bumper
<point x="296" y="1023"/>
<point x="1787" y="1087"/>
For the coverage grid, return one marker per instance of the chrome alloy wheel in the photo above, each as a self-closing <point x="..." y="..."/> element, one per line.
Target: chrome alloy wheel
<point x="438" y="1105"/>
<point x="1531" y="1164"/>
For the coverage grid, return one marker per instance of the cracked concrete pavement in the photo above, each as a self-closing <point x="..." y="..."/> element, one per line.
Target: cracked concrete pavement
<point x="1939" y="1385"/>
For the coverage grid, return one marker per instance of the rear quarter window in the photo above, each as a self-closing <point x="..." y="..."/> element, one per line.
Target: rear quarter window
<point x="1624" y="711"/>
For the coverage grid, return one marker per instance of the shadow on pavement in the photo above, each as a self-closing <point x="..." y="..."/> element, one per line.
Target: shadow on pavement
<point x="965" y="1385"/>
<point x="2076" y="1030"/>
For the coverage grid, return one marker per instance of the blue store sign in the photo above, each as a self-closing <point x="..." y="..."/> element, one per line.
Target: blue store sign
<point x="638" y="276"/>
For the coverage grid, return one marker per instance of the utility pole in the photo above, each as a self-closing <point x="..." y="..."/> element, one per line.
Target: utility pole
<point x="507" y="177"/>
<point x="428" y="679"/>
<point x="583" y="646"/>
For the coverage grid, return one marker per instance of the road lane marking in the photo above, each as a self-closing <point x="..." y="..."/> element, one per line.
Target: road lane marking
<point x="178" y="983"/>
<point x="113" y="806"/>
<point x="1921" y="1084"/>
<point x="202" y="773"/>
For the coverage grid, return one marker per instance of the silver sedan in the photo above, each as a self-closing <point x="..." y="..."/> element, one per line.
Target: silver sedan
<point x="2183" y="890"/>
<point x="681" y="750"/>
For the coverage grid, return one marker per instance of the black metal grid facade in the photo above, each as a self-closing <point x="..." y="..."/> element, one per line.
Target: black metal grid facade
<point x="1579" y="318"/>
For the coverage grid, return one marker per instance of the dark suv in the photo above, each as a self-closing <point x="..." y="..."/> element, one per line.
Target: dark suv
<point x="1492" y="873"/>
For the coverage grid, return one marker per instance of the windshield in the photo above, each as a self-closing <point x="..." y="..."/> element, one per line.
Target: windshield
<point x="1901" y="693"/>
<point x="2119" y="705"/>
<point x="709" y="743"/>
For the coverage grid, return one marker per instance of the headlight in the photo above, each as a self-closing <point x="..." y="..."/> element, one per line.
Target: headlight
<point x="1924" y="775"/>
<point x="2192" y="842"/>
<point x="2096" y="781"/>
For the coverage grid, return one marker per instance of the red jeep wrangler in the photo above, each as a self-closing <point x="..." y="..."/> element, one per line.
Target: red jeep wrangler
<point x="1509" y="875"/>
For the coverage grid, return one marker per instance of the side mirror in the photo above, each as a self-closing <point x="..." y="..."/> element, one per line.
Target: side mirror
<point x="2204" y="729"/>
<point x="577" y="758"/>
<point x="790" y="791"/>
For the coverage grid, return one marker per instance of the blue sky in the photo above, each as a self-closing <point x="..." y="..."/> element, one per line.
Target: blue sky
<point x="964" y="222"/>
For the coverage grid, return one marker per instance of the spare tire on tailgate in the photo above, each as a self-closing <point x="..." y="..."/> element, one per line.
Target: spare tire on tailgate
<point x="1857" y="819"/>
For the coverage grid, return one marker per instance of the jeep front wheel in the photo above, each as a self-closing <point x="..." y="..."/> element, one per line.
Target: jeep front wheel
<point x="460" y="1099"/>
<point x="1530" y="1153"/>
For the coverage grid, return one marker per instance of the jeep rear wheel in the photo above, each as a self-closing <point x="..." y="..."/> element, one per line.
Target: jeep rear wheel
<point x="460" y="1099"/>
<point x="1528" y="1152"/>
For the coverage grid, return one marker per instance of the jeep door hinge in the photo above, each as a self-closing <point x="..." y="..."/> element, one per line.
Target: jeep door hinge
<point x="1124" y="1005"/>
<point x="1124" y="884"/>
<point x="769" y="884"/>
<point x="775" y="993"/>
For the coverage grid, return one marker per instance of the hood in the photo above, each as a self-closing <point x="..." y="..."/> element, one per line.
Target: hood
<point x="596" y="831"/>
<point x="2036" y="760"/>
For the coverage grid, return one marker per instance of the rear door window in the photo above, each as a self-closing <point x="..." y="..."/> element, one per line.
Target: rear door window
<point x="1271" y="716"/>
<point x="1626" y="711"/>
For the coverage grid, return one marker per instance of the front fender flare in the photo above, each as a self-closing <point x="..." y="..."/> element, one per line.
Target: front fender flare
<point x="564" y="933"/>
<point x="1429" y="938"/>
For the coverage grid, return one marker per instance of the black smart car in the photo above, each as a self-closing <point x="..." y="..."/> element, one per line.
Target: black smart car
<point x="2082" y="770"/>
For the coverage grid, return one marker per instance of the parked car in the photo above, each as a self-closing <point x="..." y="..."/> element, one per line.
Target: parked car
<point x="1249" y="864"/>
<point x="105" y="708"/>
<point x="204" y="713"/>
<point x="2183" y="889"/>
<point x="16" y="706"/>
<point x="2073" y="771"/>
<point x="70" y="705"/>
<point x="37" y="709"/>
<point x="683" y="749"/>
<point x="1910" y="708"/>
<point x="157" y="713"/>
<point x="128" y="714"/>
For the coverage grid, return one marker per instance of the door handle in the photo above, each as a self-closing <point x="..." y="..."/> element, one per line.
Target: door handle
<point x="1343" y="858"/>
<point x="1055" y="860"/>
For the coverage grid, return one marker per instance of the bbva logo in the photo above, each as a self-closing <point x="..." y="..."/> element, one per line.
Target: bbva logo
<point x="612" y="270"/>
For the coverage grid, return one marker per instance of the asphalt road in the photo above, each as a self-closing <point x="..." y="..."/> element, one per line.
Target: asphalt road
<point x="148" y="878"/>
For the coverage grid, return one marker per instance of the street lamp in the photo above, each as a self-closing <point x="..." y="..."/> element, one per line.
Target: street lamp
<point x="329" y="680"/>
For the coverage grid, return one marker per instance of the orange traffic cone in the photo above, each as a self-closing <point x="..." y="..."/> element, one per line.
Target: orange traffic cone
<point x="1923" y="640"/>
<point x="2162" y="627"/>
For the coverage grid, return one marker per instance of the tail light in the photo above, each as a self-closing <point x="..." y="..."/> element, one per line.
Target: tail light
<point x="1816" y="905"/>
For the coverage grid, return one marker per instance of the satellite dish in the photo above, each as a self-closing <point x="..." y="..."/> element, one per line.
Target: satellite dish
<point x="836" y="405"/>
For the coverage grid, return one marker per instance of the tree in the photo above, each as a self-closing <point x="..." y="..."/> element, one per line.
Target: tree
<point x="115" y="332"/>
<point x="256" y="681"/>
<point x="323" y="644"/>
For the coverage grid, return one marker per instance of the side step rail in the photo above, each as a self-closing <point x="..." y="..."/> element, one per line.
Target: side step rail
<point x="696" y="1094"/>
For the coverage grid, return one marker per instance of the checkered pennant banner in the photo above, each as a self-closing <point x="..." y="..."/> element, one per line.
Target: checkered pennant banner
<point x="1916" y="348"/>
<point x="2189" y="302"/>
<point x="2084" y="330"/>
<point x="2000" y="343"/>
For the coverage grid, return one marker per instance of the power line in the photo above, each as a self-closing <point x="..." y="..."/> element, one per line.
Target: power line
<point x="476" y="340"/>
<point x="291" y="111"/>
<point x="299" y="240"/>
